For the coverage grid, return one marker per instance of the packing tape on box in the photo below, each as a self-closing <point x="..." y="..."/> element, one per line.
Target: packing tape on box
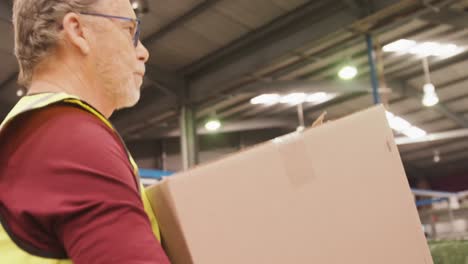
<point x="299" y="170"/>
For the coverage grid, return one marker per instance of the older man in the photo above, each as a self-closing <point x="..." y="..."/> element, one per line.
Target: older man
<point x="69" y="189"/>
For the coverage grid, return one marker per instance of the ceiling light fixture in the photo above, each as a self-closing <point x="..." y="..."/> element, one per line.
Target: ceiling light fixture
<point x="401" y="45"/>
<point x="404" y="127"/>
<point x="414" y="132"/>
<point x="320" y="97"/>
<point x="348" y="72"/>
<point x="436" y="158"/>
<point x="266" y="99"/>
<point x="399" y="124"/>
<point x="213" y="125"/>
<point x="389" y="115"/>
<point x="435" y="49"/>
<point x="294" y="98"/>
<point x="423" y="49"/>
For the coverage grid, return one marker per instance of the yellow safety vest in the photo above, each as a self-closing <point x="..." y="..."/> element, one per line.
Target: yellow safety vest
<point x="10" y="252"/>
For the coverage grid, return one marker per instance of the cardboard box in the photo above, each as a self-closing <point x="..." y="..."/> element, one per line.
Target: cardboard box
<point x="333" y="194"/>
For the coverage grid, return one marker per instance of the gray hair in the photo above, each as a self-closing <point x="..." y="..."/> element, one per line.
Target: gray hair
<point x="37" y="24"/>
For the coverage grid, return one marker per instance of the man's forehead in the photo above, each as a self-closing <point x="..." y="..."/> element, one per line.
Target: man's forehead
<point x="117" y="8"/>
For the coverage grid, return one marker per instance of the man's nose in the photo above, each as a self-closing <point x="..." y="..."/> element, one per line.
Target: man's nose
<point x="142" y="52"/>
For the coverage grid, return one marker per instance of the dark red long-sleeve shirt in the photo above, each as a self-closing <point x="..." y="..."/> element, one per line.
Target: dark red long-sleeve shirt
<point x="67" y="189"/>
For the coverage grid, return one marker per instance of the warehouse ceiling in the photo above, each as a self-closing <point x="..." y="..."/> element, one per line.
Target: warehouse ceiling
<point x="216" y="55"/>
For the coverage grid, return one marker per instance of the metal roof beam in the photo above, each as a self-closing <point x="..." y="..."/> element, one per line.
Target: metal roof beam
<point x="306" y="25"/>
<point x="261" y="37"/>
<point x="228" y="126"/>
<point x="446" y="16"/>
<point x="444" y="154"/>
<point x="260" y="47"/>
<point x="283" y="87"/>
<point x="435" y="65"/>
<point x="200" y="8"/>
<point x="145" y="114"/>
<point x="459" y="120"/>
<point x="427" y="146"/>
<point x="356" y="40"/>
<point x="453" y="164"/>
<point x="286" y="86"/>
<point x="358" y="8"/>
<point x="460" y="133"/>
<point x="168" y="82"/>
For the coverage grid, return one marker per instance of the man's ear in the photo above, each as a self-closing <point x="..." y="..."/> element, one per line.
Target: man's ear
<point x="75" y="33"/>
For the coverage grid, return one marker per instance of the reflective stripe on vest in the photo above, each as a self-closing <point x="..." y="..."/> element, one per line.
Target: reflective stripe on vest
<point x="11" y="252"/>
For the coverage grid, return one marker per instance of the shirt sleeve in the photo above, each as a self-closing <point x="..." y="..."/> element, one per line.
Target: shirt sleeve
<point x="83" y="193"/>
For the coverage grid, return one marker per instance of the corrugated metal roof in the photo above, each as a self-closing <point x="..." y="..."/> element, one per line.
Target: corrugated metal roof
<point x="452" y="90"/>
<point x="325" y="58"/>
<point x="251" y="14"/>
<point x="325" y="64"/>
<point x="210" y="30"/>
<point x="182" y="33"/>
<point x="163" y="13"/>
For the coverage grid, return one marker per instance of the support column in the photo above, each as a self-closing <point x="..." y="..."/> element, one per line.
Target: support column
<point x="373" y="69"/>
<point x="188" y="136"/>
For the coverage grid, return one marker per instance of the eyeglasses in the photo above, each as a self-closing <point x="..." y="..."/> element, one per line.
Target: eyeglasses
<point x="137" y="22"/>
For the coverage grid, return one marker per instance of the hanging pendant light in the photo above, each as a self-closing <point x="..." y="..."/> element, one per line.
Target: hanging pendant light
<point x="430" y="97"/>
